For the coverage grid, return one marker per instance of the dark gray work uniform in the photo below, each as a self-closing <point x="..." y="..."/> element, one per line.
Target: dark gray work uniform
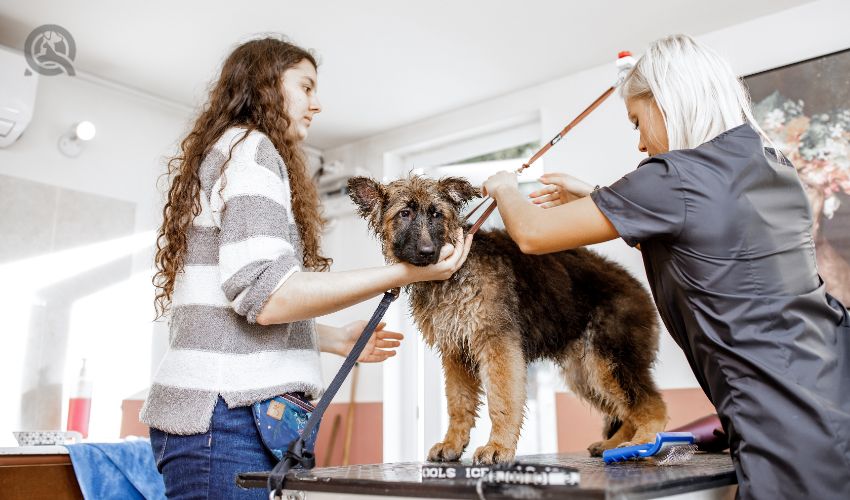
<point x="726" y="240"/>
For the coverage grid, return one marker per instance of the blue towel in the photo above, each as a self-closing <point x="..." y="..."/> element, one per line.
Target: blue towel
<point x="123" y="470"/>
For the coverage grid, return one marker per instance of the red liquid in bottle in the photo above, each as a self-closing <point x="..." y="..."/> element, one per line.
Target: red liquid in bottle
<point x="79" y="404"/>
<point x="79" y="410"/>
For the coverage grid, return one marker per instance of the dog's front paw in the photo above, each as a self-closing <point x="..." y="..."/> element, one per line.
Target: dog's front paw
<point x="493" y="454"/>
<point x="445" y="452"/>
<point x="597" y="448"/>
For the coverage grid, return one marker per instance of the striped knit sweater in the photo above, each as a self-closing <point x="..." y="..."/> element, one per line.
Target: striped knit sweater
<point x="242" y="246"/>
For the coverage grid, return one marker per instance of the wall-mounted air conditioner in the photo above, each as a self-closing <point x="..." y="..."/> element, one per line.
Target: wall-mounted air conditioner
<point x="333" y="188"/>
<point x="17" y="95"/>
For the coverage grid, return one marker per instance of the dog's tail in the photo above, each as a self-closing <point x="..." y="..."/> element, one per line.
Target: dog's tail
<point x="612" y="425"/>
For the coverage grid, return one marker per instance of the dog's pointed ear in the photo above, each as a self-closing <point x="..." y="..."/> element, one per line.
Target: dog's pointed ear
<point x="457" y="190"/>
<point x="368" y="195"/>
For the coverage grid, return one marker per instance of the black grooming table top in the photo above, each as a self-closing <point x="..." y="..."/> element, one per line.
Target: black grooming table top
<point x="633" y="479"/>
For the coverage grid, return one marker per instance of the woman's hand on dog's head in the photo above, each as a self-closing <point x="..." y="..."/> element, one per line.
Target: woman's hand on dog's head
<point x="452" y="258"/>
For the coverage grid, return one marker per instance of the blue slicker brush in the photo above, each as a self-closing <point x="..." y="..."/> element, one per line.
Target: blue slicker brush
<point x="669" y="448"/>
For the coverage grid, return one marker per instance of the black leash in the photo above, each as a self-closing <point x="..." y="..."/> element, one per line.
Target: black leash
<point x="296" y="454"/>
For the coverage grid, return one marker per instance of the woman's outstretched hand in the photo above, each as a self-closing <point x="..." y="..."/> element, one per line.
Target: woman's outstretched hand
<point x="381" y="345"/>
<point x="559" y="188"/>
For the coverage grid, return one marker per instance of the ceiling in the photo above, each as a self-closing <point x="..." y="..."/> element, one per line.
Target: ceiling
<point x="383" y="63"/>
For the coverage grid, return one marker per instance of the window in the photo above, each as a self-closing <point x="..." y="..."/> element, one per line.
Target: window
<point x="478" y="168"/>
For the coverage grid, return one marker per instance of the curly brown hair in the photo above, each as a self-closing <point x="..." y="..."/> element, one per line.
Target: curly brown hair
<point x="249" y="94"/>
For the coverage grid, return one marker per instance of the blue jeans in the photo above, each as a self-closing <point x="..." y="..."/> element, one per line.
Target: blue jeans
<point x="205" y="465"/>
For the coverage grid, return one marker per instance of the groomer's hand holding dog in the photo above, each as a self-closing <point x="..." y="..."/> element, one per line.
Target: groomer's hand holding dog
<point x="452" y="258"/>
<point x="500" y="180"/>
<point x="559" y="188"/>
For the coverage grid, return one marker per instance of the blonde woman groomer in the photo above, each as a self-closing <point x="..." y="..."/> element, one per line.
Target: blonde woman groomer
<point x="725" y="232"/>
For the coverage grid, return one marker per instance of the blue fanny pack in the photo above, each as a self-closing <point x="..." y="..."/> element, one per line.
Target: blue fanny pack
<point x="281" y="420"/>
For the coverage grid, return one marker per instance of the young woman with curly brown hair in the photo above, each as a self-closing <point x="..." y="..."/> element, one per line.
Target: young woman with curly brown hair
<point x="241" y="272"/>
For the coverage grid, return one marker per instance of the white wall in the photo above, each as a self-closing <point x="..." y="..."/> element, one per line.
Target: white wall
<point x="602" y="148"/>
<point x="134" y="135"/>
<point x="111" y="326"/>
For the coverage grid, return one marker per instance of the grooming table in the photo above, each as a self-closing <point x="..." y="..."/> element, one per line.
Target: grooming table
<point x="705" y="476"/>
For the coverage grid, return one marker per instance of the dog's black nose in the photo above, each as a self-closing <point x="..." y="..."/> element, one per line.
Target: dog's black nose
<point x="425" y="250"/>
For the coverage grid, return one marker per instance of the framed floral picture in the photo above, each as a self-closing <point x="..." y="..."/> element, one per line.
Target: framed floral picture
<point x="805" y="109"/>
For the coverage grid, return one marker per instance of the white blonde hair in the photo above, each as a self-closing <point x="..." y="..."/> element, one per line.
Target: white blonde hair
<point x="696" y="90"/>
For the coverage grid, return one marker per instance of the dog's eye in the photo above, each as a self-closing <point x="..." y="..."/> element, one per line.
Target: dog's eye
<point x="404" y="213"/>
<point x="436" y="215"/>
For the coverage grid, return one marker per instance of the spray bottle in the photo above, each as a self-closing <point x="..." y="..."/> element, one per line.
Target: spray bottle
<point x="625" y="63"/>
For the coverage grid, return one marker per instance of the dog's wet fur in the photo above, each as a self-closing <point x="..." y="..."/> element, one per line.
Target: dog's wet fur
<point x="504" y="309"/>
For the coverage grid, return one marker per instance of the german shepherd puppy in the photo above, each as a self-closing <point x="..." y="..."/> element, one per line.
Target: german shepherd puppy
<point x="504" y="309"/>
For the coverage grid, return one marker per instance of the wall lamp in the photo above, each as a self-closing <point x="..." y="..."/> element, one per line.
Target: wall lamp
<point x="71" y="143"/>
